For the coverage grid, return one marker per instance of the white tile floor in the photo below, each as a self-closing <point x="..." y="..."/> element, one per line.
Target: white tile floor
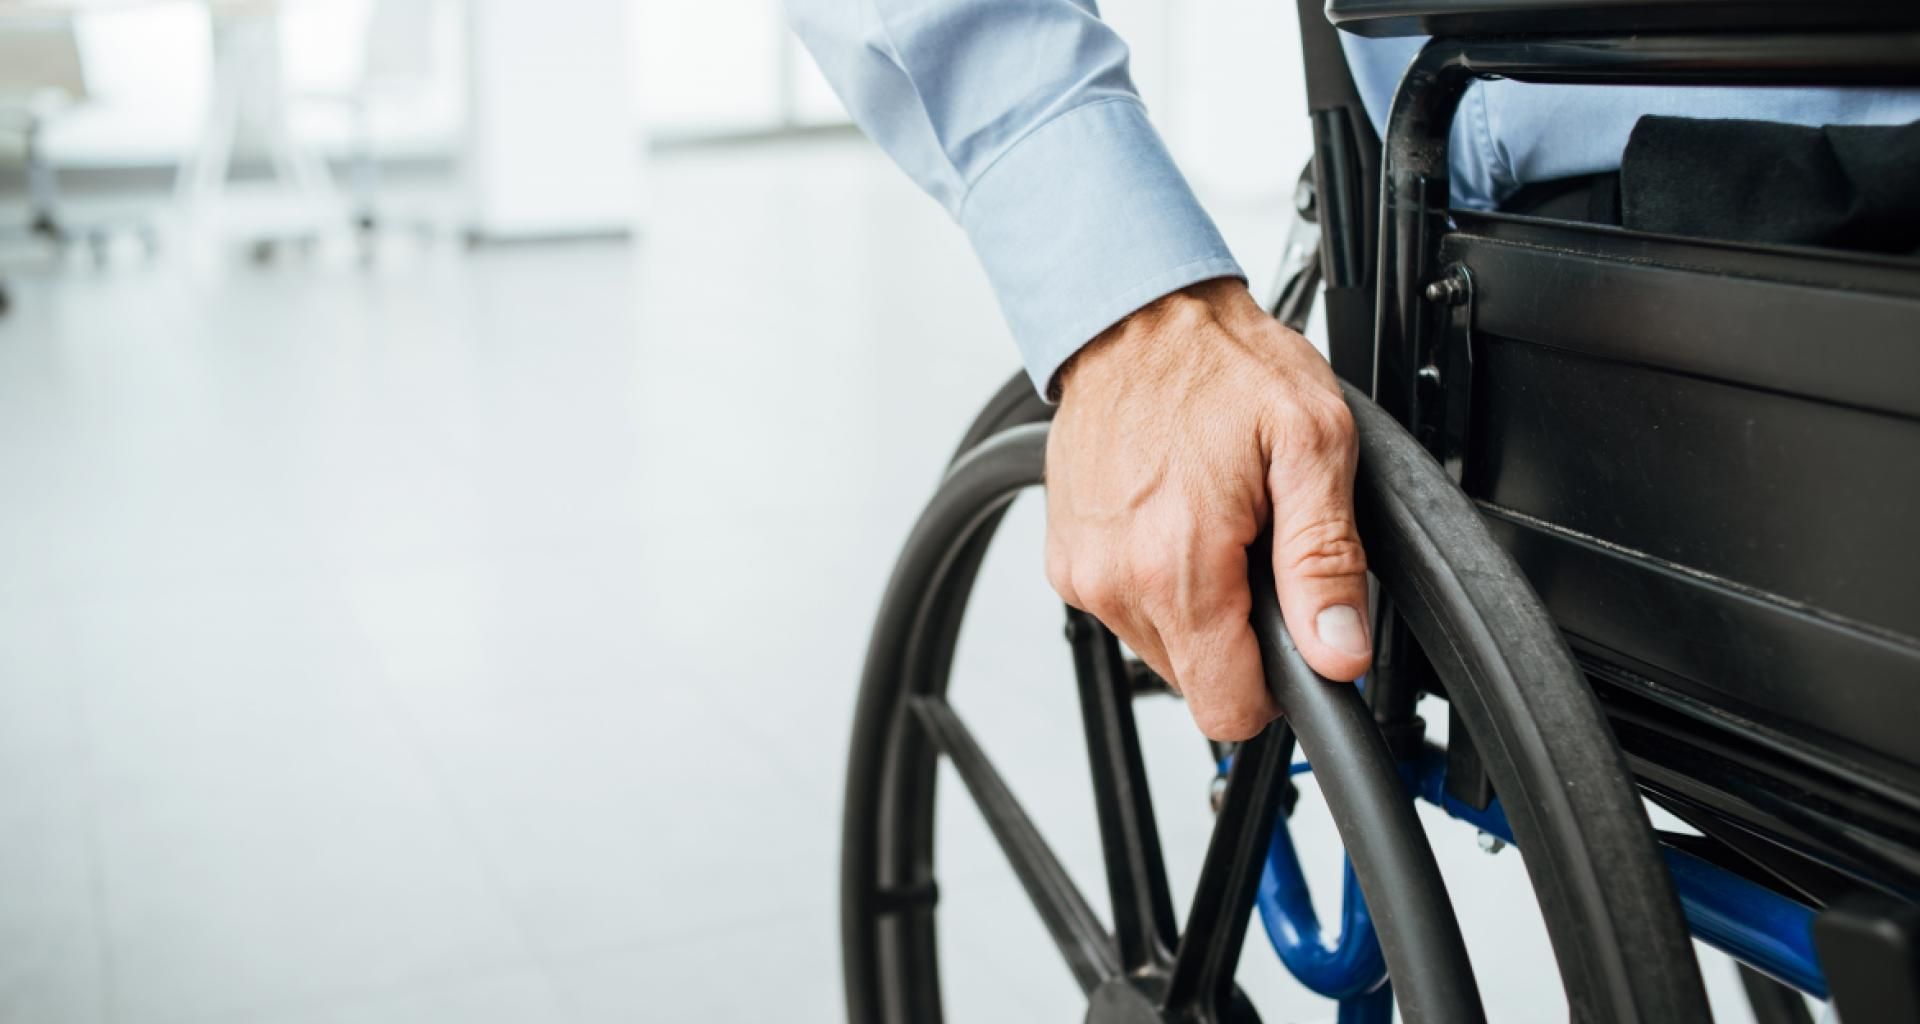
<point x="474" y="640"/>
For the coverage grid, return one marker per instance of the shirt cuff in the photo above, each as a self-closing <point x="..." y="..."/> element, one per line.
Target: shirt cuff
<point x="1083" y="221"/>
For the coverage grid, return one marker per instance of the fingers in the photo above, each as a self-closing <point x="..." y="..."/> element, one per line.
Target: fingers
<point x="1318" y="565"/>
<point x="1100" y="594"/>
<point x="1213" y="649"/>
<point x="1183" y="607"/>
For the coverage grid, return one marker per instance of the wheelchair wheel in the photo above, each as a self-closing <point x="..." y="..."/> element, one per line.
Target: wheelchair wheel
<point x="1615" y="925"/>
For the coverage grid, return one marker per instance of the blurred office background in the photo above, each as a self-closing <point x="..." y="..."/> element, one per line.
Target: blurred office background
<point x="449" y="456"/>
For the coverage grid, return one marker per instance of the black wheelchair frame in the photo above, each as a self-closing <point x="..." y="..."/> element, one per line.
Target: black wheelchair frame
<point x="1624" y="566"/>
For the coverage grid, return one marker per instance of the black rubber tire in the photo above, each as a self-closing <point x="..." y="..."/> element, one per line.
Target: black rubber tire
<point x="1616" y="928"/>
<point x="1016" y="403"/>
<point x="1603" y="887"/>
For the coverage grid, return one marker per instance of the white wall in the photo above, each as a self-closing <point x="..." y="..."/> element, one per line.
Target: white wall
<point x="707" y="65"/>
<point x="554" y="152"/>
<point x="1236" y="107"/>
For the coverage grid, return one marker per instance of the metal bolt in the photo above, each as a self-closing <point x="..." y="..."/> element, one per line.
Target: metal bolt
<point x="1490" y="843"/>
<point x="1430" y="372"/>
<point x="1303" y="196"/>
<point x="1217" y="792"/>
<point x="1450" y="290"/>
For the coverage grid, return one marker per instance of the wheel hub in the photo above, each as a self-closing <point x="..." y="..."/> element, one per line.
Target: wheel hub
<point x="1120" y="1001"/>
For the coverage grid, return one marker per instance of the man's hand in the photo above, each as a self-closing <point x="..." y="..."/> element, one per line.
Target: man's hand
<point x="1181" y="432"/>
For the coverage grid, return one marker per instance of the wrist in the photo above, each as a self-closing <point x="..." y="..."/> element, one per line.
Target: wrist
<point x="1221" y="300"/>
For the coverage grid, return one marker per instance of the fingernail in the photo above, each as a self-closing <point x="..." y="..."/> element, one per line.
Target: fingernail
<point x="1339" y="627"/>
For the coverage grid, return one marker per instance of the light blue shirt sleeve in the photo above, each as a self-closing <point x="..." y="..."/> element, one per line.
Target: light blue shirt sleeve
<point x="1021" y="118"/>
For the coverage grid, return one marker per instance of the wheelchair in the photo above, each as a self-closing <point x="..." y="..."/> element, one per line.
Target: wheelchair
<point x="1640" y="511"/>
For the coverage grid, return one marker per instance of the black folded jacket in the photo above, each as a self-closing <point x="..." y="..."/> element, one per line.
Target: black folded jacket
<point x="1841" y="186"/>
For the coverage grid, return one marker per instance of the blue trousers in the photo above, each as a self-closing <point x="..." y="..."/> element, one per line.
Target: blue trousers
<point x="1508" y="134"/>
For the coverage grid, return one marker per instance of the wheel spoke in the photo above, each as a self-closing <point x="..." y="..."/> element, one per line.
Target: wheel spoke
<point x="1143" y="921"/>
<point x="1083" y="941"/>
<point x="1202" y="980"/>
<point x="1144" y="681"/>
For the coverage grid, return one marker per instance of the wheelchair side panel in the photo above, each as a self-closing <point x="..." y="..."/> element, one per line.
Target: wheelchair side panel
<point x="1708" y="462"/>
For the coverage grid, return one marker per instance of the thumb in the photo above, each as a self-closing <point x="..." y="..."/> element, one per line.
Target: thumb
<point x="1319" y="567"/>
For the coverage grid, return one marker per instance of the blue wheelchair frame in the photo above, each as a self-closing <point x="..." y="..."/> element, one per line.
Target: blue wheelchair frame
<point x="1752" y="924"/>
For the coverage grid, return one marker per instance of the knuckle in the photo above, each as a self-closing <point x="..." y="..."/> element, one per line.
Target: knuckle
<point x="1321" y="422"/>
<point x="1326" y="549"/>
<point x="1098" y="591"/>
<point x="1154" y="570"/>
<point x="1336" y="421"/>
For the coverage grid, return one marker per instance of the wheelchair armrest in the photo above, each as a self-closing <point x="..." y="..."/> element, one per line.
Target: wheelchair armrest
<point x="1481" y="18"/>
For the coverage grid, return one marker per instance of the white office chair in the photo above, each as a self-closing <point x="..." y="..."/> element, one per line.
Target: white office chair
<point x="41" y="77"/>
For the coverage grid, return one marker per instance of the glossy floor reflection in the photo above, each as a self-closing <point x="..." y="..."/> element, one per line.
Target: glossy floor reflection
<point x="474" y="639"/>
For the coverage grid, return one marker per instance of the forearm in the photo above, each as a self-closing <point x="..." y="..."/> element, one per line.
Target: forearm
<point x="1019" y="116"/>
